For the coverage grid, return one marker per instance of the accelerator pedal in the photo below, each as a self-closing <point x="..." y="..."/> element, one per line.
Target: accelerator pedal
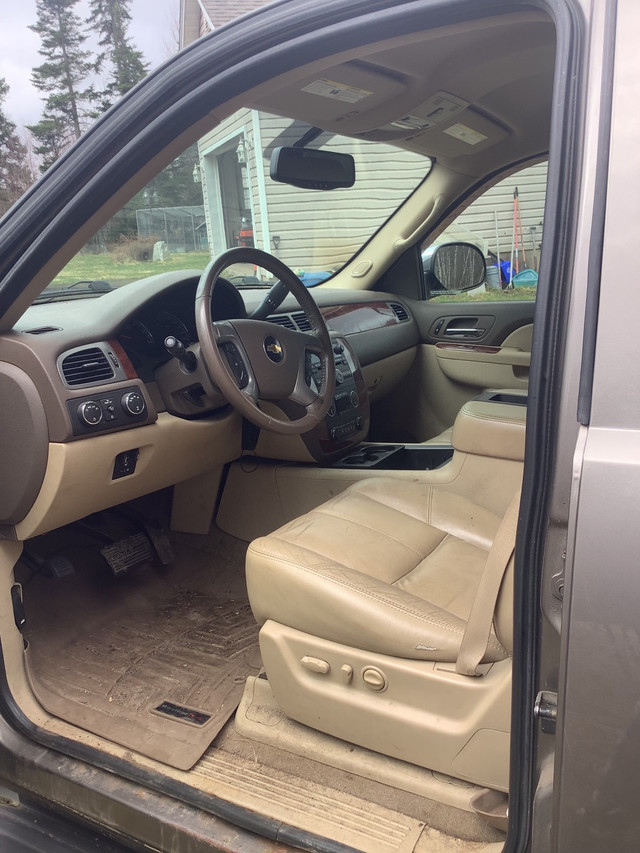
<point x="161" y="544"/>
<point x="127" y="553"/>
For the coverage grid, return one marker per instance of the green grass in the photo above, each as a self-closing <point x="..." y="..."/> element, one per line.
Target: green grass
<point x="85" y="267"/>
<point x="518" y="294"/>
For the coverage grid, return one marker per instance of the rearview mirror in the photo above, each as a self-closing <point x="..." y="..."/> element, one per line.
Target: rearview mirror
<point x="312" y="169"/>
<point x="453" y="267"/>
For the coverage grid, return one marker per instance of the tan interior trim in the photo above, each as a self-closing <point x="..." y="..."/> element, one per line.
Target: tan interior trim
<point x="507" y="368"/>
<point x="194" y="502"/>
<point x="78" y="479"/>
<point x="260" y="718"/>
<point x="463" y="730"/>
<point x="260" y="496"/>
<point x="491" y="429"/>
<point x="382" y="376"/>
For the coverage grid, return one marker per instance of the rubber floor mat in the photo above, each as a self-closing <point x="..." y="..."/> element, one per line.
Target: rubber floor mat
<point x="154" y="666"/>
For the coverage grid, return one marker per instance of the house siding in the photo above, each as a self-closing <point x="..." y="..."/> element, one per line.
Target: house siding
<point x="478" y="222"/>
<point x="323" y="239"/>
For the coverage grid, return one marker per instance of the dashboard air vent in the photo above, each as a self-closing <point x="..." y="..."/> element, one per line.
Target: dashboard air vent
<point x="302" y="321"/>
<point x="283" y="320"/>
<point x="400" y="311"/>
<point x="86" y="366"/>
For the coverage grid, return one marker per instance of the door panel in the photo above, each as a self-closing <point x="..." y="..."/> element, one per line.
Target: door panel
<point x="483" y="366"/>
<point x="450" y="369"/>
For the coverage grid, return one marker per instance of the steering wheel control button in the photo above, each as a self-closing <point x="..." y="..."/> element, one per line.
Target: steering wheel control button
<point x="133" y="403"/>
<point x="374" y="678"/>
<point x="273" y="349"/>
<point x="90" y="413"/>
<point x="322" y="667"/>
<point x="125" y="464"/>
<point x="236" y="364"/>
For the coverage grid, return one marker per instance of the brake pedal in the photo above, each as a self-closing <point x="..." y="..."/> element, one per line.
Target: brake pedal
<point x="127" y="553"/>
<point x="55" y="566"/>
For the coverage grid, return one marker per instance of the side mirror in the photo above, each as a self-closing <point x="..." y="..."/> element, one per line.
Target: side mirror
<point x="312" y="169"/>
<point x="453" y="267"/>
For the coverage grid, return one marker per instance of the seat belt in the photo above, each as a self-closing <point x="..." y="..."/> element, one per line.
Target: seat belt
<point x="478" y="630"/>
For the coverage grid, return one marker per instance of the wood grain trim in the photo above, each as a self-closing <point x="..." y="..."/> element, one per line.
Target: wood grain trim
<point x="124" y="360"/>
<point x="469" y="348"/>
<point x="359" y="317"/>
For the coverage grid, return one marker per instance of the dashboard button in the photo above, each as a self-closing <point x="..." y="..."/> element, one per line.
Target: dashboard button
<point x="90" y="413"/>
<point x="133" y="403"/>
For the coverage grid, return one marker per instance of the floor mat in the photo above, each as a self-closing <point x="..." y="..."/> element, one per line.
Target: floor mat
<point x="156" y="663"/>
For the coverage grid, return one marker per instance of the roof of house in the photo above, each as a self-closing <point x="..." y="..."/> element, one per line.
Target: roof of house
<point x="198" y="17"/>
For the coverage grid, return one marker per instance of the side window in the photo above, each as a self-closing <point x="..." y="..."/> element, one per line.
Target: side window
<point x="505" y="225"/>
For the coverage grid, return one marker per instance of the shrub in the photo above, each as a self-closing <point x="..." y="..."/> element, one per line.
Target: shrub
<point x="133" y="249"/>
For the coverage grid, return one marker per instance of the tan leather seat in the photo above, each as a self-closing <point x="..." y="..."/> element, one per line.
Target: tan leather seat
<point x="364" y="603"/>
<point x="387" y="566"/>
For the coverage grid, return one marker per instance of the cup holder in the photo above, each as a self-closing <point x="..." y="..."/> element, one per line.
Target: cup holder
<point x="368" y="456"/>
<point x="356" y="459"/>
<point x="398" y="457"/>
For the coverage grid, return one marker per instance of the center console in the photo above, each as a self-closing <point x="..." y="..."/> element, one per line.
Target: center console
<point x="347" y="421"/>
<point x="492" y="424"/>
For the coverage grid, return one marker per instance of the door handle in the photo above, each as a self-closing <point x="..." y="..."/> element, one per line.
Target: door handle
<point x="456" y="331"/>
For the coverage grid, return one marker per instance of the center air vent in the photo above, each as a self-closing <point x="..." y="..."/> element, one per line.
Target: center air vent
<point x="86" y="366"/>
<point x="400" y="311"/>
<point x="283" y="320"/>
<point x="302" y="321"/>
<point x="298" y="322"/>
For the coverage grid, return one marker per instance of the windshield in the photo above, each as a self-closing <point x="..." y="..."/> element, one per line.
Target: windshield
<point x="218" y="194"/>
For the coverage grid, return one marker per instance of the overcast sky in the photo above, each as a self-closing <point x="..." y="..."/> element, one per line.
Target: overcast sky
<point x="153" y="30"/>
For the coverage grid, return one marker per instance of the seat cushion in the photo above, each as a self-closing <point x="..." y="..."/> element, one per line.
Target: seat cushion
<point x="388" y="566"/>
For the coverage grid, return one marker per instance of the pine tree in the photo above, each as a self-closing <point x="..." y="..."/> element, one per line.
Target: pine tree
<point x="110" y="18"/>
<point x="63" y="77"/>
<point x="15" y="173"/>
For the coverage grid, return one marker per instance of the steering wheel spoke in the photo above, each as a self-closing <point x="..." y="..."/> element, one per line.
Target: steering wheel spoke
<point x="252" y="360"/>
<point x="303" y="394"/>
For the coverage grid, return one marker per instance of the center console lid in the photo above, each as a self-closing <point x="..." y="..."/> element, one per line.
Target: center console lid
<point x="492" y="425"/>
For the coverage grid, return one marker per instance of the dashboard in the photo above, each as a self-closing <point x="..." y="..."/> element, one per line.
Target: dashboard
<point x="101" y="410"/>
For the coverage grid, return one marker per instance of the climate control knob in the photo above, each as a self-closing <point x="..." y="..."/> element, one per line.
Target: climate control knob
<point x="90" y="413"/>
<point x="133" y="403"/>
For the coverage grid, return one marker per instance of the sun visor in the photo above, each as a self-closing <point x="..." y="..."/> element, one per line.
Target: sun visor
<point x="462" y="131"/>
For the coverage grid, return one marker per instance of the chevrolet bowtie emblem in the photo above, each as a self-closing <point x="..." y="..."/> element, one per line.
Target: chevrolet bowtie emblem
<point x="273" y="349"/>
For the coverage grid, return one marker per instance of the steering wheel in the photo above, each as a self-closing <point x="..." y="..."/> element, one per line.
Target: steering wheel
<point x="252" y="360"/>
